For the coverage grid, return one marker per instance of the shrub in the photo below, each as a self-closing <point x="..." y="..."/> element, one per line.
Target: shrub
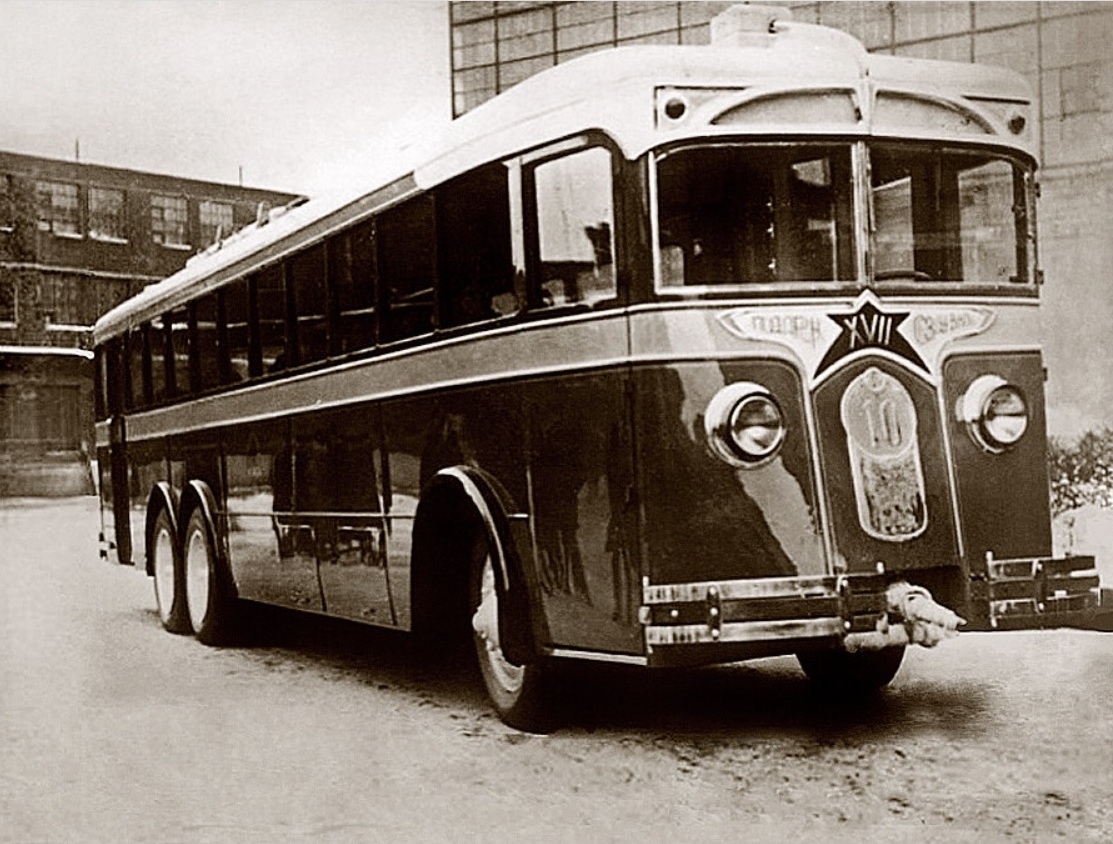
<point x="1082" y="472"/>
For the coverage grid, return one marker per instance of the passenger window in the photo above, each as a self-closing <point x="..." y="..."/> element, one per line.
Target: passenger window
<point x="575" y="229"/>
<point x="351" y="265"/>
<point x="473" y="250"/>
<point x="136" y="389"/>
<point x="307" y="275"/>
<point x="206" y="350"/>
<point x="270" y="295"/>
<point x="179" y="344"/>
<point x="156" y="339"/>
<point x="100" y="382"/>
<point x="237" y="331"/>
<point x="407" y="268"/>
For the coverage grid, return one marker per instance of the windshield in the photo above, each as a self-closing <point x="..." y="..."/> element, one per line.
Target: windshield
<point x="948" y="215"/>
<point x="739" y="215"/>
<point x="749" y="214"/>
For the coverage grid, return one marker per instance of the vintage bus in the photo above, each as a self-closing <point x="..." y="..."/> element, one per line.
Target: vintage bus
<point x="666" y="356"/>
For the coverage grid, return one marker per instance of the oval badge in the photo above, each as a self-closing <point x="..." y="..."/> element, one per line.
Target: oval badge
<point x="880" y="421"/>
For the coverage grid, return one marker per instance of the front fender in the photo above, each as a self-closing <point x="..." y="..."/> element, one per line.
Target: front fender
<point x="491" y="503"/>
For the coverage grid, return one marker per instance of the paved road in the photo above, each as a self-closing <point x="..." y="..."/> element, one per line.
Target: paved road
<point x="114" y="731"/>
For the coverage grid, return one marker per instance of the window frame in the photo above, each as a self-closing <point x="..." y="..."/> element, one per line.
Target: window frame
<point x="208" y="233"/>
<point x="158" y="222"/>
<point x="50" y="223"/>
<point x="121" y="216"/>
<point x="525" y="222"/>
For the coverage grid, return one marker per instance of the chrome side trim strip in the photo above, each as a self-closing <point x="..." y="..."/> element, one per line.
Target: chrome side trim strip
<point x="595" y="656"/>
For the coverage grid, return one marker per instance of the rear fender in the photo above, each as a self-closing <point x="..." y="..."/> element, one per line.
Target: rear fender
<point x="198" y="494"/>
<point x="162" y="497"/>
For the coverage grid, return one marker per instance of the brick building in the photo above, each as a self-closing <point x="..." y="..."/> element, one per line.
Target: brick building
<point x="75" y="240"/>
<point x="1062" y="48"/>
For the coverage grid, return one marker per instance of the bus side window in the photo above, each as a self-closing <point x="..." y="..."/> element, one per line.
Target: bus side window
<point x="307" y="275"/>
<point x="100" y="383"/>
<point x="157" y="337"/>
<point x="135" y="395"/>
<point x="473" y="231"/>
<point x="574" y="214"/>
<point x="237" y="362"/>
<point x="270" y="296"/>
<point x="407" y="268"/>
<point x="179" y="346"/>
<point x="206" y="310"/>
<point x="351" y="268"/>
<point x="114" y="377"/>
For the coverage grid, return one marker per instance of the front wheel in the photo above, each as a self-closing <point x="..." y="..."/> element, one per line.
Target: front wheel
<point x="166" y="567"/>
<point x="211" y="610"/>
<point x="519" y="692"/>
<point x="851" y="673"/>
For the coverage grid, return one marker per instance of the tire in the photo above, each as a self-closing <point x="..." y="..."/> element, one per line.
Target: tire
<point x="519" y="693"/>
<point x="169" y="578"/>
<point x="846" y="673"/>
<point x="210" y="610"/>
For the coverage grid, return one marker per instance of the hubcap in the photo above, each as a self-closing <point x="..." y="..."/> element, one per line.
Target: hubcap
<point x="485" y="622"/>
<point x="164" y="574"/>
<point x="197" y="578"/>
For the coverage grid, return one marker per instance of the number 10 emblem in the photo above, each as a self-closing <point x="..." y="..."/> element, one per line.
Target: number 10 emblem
<point x="880" y="422"/>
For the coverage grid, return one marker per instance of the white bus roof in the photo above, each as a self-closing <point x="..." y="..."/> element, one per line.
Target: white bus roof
<point x="827" y="82"/>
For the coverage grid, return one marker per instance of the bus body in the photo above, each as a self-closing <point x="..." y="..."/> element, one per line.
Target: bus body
<point x="669" y="355"/>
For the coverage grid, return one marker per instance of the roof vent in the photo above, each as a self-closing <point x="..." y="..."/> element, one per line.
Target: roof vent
<point x="746" y="26"/>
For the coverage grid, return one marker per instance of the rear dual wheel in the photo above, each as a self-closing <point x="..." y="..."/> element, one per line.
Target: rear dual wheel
<point x="210" y="608"/>
<point x="170" y="592"/>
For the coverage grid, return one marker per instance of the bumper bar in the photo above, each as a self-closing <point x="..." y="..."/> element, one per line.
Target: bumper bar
<point x="1011" y="595"/>
<point x="1034" y="592"/>
<point x="761" y="609"/>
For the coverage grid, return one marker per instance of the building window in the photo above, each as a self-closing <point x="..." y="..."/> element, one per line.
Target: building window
<point x="66" y="301"/>
<point x="106" y="215"/>
<point x="59" y="208"/>
<point x="41" y="416"/>
<point x="8" y="302"/>
<point x="7" y="205"/>
<point x="170" y="220"/>
<point x="216" y="221"/>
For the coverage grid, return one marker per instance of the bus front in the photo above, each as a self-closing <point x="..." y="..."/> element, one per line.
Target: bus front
<point x="841" y="425"/>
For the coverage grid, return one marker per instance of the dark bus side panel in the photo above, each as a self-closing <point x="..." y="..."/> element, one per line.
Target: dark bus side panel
<point x="318" y="509"/>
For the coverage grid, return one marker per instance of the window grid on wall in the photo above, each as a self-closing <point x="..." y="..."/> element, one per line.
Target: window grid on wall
<point x="9" y="302"/>
<point x="59" y="208"/>
<point x="7" y="205"/>
<point x="106" y="215"/>
<point x="216" y="221"/>
<point x="170" y="220"/>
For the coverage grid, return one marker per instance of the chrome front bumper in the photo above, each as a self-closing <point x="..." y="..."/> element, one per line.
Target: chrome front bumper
<point x="1026" y="593"/>
<point x="1012" y="594"/>
<point x="760" y="609"/>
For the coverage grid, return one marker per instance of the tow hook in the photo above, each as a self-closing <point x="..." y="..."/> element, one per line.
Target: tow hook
<point x="914" y="617"/>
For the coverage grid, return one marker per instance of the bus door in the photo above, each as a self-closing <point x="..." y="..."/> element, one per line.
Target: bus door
<point x="120" y="491"/>
<point x="112" y="462"/>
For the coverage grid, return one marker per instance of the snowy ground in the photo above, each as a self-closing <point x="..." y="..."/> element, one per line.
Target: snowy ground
<point x="114" y="731"/>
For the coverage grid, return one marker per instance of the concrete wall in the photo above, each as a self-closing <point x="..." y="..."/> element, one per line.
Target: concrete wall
<point x="1062" y="48"/>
